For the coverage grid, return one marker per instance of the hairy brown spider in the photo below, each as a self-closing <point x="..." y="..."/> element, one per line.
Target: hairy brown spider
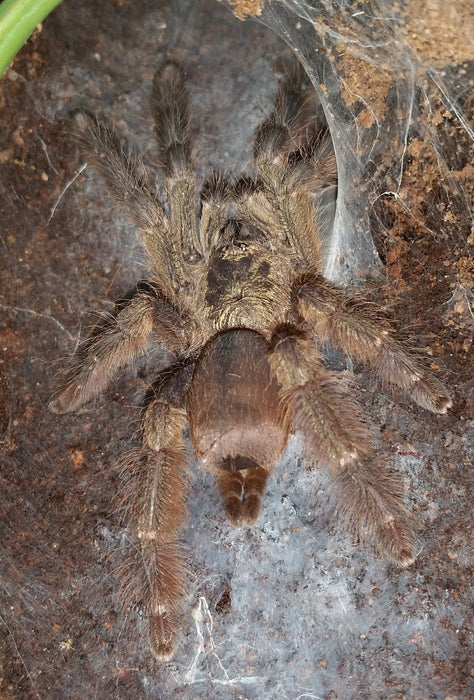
<point x="238" y="298"/>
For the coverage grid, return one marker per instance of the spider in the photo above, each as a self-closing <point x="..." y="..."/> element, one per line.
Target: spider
<point x="238" y="299"/>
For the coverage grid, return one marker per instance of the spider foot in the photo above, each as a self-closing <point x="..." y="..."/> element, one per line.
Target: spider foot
<point x="430" y="393"/>
<point x="370" y="499"/>
<point x="398" y="542"/>
<point x="162" y="634"/>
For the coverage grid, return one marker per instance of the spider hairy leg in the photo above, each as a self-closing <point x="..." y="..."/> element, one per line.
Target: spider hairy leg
<point x="155" y="511"/>
<point x="369" y="498"/>
<point x="336" y="434"/>
<point x="294" y="111"/>
<point x="291" y="171"/>
<point x="359" y="328"/>
<point x="123" y="339"/>
<point x="169" y="108"/>
<point x="126" y="179"/>
<point x="237" y="421"/>
<point x="170" y="111"/>
<point x="293" y="147"/>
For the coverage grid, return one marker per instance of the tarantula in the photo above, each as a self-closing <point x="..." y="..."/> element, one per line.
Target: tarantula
<point x="238" y="299"/>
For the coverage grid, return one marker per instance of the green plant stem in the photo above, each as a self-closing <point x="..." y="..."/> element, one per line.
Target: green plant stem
<point x="18" y="18"/>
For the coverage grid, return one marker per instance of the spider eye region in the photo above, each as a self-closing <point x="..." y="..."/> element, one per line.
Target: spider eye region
<point x="227" y="273"/>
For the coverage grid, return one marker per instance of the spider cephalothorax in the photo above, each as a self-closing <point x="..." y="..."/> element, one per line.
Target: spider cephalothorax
<point x="237" y="296"/>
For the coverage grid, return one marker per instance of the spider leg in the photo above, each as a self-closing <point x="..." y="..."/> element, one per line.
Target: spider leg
<point x="169" y="108"/>
<point x="291" y="172"/>
<point x="123" y="339"/>
<point x="336" y="434"/>
<point x="127" y="182"/>
<point x="155" y="511"/>
<point x="358" y="328"/>
<point x="295" y="110"/>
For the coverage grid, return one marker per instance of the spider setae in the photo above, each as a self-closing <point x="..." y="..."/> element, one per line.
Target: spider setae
<point x="237" y="297"/>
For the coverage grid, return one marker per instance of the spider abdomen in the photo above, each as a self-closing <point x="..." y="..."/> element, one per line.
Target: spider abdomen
<point x="233" y="401"/>
<point x="238" y="424"/>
